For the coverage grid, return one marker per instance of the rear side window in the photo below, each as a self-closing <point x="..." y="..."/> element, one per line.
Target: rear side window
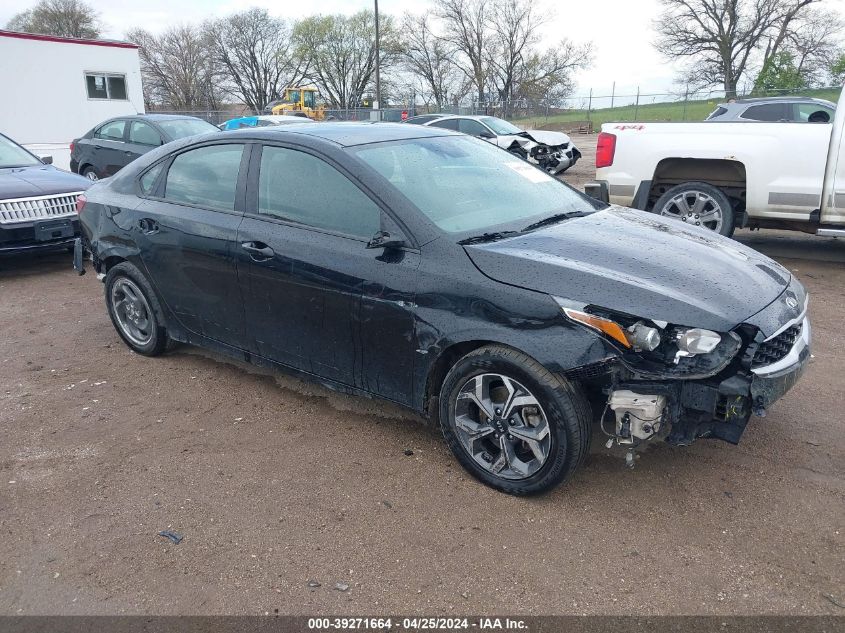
<point x="296" y="186"/>
<point x="768" y="112"/>
<point x="206" y="177"/>
<point x="112" y="131"/>
<point x="143" y="134"/>
<point x="148" y="180"/>
<point x="448" y="124"/>
<point x="813" y="113"/>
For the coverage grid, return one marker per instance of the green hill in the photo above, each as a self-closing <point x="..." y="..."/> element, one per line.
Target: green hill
<point x="663" y="111"/>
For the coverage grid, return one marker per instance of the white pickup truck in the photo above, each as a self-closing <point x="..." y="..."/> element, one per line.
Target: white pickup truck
<point x="728" y="175"/>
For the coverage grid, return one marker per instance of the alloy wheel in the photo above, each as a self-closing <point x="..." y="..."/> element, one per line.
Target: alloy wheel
<point x="696" y="208"/>
<point x="502" y="426"/>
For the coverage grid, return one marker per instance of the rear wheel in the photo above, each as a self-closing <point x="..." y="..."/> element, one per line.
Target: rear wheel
<point x="698" y="204"/>
<point x="90" y="173"/>
<point x="511" y="423"/>
<point x="134" y="310"/>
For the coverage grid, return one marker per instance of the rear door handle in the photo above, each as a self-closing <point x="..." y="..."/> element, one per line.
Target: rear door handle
<point x="148" y="225"/>
<point x="258" y="251"/>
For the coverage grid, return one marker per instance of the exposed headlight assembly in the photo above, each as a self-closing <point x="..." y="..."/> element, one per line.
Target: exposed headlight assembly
<point x="639" y="336"/>
<point x="696" y="341"/>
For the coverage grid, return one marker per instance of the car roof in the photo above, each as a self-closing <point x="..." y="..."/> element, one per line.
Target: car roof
<point x="162" y="117"/>
<point x="764" y="100"/>
<point x="348" y="134"/>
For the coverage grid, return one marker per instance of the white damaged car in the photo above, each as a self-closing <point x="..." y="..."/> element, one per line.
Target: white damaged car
<point x="552" y="151"/>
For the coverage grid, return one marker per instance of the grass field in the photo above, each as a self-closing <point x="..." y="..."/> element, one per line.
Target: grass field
<point x="663" y="111"/>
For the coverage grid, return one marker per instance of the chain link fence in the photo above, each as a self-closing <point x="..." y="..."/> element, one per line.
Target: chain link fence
<point x="579" y="113"/>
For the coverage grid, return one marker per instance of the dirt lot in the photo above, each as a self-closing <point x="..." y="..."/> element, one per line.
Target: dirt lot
<point x="275" y="483"/>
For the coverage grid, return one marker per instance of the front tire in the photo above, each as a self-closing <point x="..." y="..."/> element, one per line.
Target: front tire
<point x="698" y="204"/>
<point x="511" y="423"/>
<point x="134" y="310"/>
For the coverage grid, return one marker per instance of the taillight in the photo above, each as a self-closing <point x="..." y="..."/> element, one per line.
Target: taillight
<point x="80" y="203"/>
<point x="605" y="150"/>
<point x="71" y="147"/>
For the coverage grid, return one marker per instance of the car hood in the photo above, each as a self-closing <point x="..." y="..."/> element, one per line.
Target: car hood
<point x="548" y="137"/>
<point x="40" y="180"/>
<point x="640" y="264"/>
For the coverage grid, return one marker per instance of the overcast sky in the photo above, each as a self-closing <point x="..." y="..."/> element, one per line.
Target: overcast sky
<point x="620" y="30"/>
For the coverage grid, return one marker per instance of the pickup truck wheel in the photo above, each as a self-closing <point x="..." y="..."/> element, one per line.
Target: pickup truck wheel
<point x="698" y="204"/>
<point x="134" y="310"/>
<point x="511" y="423"/>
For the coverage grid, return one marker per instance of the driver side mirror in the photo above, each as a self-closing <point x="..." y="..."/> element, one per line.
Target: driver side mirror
<point x="383" y="239"/>
<point x="47" y="159"/>
<point x="486" y="135"/>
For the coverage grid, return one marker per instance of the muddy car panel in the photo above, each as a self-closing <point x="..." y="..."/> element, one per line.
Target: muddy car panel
<point x="390" y="322"/>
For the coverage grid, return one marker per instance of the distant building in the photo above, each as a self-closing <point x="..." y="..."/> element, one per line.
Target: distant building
<point x="54" y="89"/>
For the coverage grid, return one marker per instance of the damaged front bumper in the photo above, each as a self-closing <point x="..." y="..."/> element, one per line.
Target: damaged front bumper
<point x="680" y="411"/>
<point x="554" y="159"/>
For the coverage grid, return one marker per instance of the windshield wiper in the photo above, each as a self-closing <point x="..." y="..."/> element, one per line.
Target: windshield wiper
<point x="487" y="237"/>
<point x="552" y="219"/>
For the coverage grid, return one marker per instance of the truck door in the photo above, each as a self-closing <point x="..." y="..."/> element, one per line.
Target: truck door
<point x="833" y="196"/>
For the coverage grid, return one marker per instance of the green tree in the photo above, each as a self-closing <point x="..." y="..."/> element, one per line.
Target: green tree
<point x="781" y="74"/>
<point x="64" y="18"/>
<point x="837" y="69"/>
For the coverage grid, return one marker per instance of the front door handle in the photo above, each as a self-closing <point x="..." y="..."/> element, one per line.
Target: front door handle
<point x="258" y="251"/>
<point x="148" y="225"/>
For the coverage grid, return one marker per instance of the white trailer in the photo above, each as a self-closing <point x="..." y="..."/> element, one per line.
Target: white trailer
<point x="55" y="89"/>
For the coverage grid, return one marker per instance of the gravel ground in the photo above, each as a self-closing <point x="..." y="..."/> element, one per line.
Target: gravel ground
<point x="276" y="484"/>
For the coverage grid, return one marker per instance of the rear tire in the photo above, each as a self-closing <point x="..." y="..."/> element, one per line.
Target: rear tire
<point x="135" y="310"/>
<point x="90" y="173"/>
<point x="539" y="428"/>
<point x="698" y="204"/>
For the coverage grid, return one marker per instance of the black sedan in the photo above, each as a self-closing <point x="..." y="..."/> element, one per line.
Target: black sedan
<point x="37" y="201"/>
<point x="115" y="143"/>
<point x="437" y="271"/>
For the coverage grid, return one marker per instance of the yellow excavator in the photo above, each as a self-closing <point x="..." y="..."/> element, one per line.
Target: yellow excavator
<point x="301" y="99"/>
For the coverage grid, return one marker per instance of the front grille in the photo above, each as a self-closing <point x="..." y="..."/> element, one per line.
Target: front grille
<point x="37" y="208"/>
<point x="776" y="349"/>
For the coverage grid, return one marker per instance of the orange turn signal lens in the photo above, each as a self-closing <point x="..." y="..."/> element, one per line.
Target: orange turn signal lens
<point x="605" y="326"/>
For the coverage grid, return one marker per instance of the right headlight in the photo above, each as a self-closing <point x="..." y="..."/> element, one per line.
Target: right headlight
<point x="696" y="341"/>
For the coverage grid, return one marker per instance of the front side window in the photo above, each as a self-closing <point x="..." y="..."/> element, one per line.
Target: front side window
<point x="464" y="184"/>
<point x="302" y="188"/>
<point x="472" y="127"/>
<point x="813" y="113"/>
<point x="206" y="177"/>
<point x="143" y="134"/>
<point x="112" y="131"/>
<point x="105" y="86"/>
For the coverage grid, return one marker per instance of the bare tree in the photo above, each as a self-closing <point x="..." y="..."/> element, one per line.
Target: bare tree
<point x="257" y="53"/>
<point x="177" y="70"/>
<point x="428" y="58"/>
<point x="466" y="28"/>
<point x="517" y="69"/>
<point x="343" y="54"/>
<point x="815" y="42"/>
<point x="719" y="37"/>
<point x="64" y="18"/>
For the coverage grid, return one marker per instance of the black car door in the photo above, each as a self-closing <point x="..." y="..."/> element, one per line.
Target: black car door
<point x="108" y="148"/>
<point x="316" y="297"/>
<point x="142" y="137"/>
<point x="186" y="230"/>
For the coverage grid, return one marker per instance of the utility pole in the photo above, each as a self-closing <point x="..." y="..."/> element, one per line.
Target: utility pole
<point x="376" y="103"/>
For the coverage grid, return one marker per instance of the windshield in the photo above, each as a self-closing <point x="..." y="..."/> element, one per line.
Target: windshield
<point x="309" y="99"/>
<point x="180" y="128"/>
<point x="13" y="155"/>
<point x="499" y="126"/>
<point x="466" y="185"/>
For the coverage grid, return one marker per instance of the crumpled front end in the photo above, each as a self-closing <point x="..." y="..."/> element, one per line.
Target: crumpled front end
<point x="554" y="159"/>
<point x="647" y="395"/>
